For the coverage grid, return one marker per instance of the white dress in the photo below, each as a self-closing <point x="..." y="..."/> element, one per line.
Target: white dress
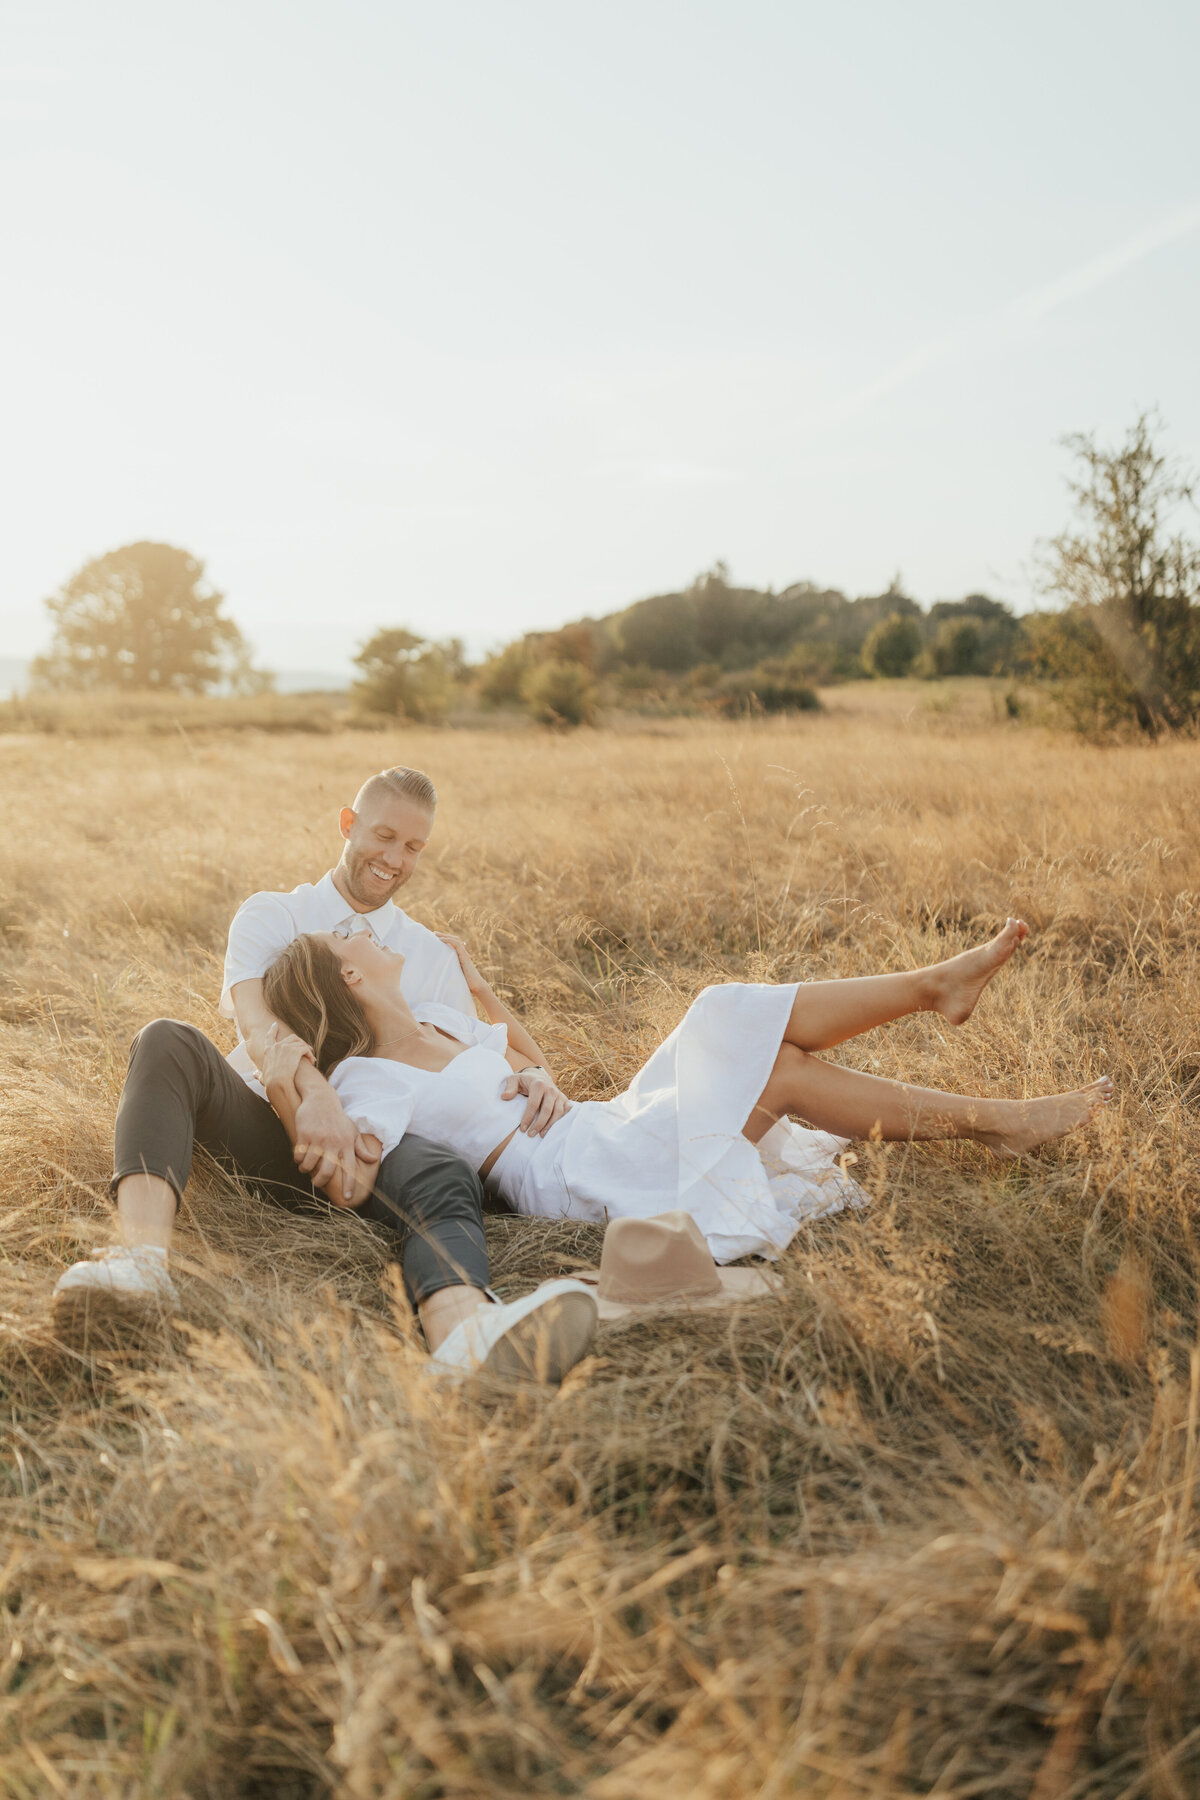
<point x="672" y="1140"/>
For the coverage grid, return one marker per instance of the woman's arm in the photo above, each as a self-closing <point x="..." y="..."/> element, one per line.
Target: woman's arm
<point x="328" y="1147"/>
<point x="494" y="1008"/>
<point x="547" y="1103"/>
<point x="288" y="1075"/>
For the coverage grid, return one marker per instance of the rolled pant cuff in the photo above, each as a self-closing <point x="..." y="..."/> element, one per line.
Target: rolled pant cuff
<point x="141" y="1168"/>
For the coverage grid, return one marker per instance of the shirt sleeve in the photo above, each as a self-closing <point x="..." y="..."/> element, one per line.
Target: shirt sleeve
<point x="376" y="1096"/>
<point x="262" y="927"/>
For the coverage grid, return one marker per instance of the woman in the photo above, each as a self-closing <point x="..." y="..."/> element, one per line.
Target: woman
<point x="704" y="1125"/>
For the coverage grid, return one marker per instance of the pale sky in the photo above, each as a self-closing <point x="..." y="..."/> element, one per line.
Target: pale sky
<point x="476" y="317"/>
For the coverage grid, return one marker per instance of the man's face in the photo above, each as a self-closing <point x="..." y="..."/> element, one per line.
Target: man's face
<point x="383" y="845"/>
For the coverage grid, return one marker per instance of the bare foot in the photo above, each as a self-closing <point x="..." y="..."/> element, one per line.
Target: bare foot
<point x="957" y="984"/>
<point x="1037" y="1122"/>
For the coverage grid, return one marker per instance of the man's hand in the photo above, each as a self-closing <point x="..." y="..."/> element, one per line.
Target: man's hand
<point x="329" y="1146"/>
<point x="365" y="1168"/>
<point x="546" y="1103"/>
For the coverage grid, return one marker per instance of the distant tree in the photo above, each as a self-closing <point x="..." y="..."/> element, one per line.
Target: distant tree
<point x="407" y="676"/>
<point x="144" y="617"/>
<point x="1127" y="641"/>
<point x="728" y="621"/>
<point x="893" y="645"/>
<point x="955" y="649"/>
<point x="661" y="632"/>
<point x="560" y="693"/>
<point x="582" y="643"/>
<point x="503" y="673"/>
<point x="995" y="631"/>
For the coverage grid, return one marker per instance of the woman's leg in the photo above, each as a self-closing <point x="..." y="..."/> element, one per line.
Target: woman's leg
<point x="828" y="1012"/>
<point x="858" y="1106"/>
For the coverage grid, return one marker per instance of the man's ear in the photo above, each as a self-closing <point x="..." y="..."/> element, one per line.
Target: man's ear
<point x="346" y="820"/>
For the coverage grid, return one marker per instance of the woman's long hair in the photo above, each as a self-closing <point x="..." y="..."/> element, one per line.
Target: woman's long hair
<point x="304" y="989"/>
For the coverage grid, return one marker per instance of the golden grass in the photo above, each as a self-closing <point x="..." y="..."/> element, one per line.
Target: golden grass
<point x="109" y="714"/>
<point x="924" y="1524"/>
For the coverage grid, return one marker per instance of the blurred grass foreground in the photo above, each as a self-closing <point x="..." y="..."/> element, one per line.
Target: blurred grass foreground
<point x="925" y="1523"/>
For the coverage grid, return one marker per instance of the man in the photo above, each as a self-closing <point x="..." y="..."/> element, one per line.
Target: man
<point x="180" y="1092"/>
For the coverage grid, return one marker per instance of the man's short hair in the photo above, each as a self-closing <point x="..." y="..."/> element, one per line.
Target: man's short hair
<point x="398" y="784"/>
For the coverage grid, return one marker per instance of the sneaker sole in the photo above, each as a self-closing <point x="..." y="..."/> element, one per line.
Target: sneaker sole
<point x="546" y="1344"/>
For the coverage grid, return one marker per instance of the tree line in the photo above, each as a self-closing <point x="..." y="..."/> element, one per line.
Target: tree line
<point x="1119" y="641"/>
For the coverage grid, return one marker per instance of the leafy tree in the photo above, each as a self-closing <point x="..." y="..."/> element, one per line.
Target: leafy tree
<point x="661" y="632"/>
<point x="503" y="673"/>
<point x="955" y="649"/>
<point x="893" y="645"/>
<point x="997" y="634"/>
<point x="1128" y="638"/>
<point x="732" y="625"/>
<point x="583" y="643"/>
<point x="407" y="676"/>
<point x="560" y="693"/>
<point x="144" y="617"/>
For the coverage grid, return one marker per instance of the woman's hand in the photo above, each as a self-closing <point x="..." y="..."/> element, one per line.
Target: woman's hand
<point x="547" y="1103"/>
<point x="281" y="1053"/>
<point x="475" y="981"/>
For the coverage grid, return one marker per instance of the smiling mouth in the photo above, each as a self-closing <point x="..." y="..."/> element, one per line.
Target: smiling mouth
<point x="382" y="874"/>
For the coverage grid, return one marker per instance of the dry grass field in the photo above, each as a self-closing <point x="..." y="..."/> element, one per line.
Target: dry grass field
<point x="923" y="1524"/>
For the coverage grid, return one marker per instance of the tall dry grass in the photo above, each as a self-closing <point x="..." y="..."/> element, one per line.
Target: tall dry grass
<point x="924" y="1524"/>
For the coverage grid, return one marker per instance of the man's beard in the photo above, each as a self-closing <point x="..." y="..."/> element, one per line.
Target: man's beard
<point x="377" y="894"/>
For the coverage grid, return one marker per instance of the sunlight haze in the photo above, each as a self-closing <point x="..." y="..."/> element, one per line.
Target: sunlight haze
<point x="476" y="318"/>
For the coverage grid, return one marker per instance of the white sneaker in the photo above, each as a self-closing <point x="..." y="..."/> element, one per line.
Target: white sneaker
<point x="536" y="1338"/>
<point x="122" y="1281"/>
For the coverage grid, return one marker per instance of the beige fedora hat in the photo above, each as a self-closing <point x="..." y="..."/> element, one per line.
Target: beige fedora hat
<point x="661" y="1263"/>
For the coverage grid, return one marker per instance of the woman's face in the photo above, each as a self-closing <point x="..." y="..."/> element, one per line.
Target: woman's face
<point x="360" y="955"/>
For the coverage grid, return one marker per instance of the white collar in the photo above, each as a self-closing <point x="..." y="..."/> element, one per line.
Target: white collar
<point x="339" y="908"/>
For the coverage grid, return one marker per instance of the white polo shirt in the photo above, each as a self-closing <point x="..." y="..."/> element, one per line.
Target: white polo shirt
<point x="267" y="923"/>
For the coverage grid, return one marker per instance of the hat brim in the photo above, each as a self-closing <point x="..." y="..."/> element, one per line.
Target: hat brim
<point x="737" y="1287"/>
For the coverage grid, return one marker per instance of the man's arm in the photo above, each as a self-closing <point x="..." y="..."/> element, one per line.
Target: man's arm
<point x="328" y="1145"/>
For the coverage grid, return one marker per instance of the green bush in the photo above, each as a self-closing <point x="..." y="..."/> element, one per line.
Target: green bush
<point x="560" y="694"/>
<point x="406" y="676"/>
<point x="773" y="687"/>
<point x="502" y="675"/>
<point x="893" y="646"/>
<point x="955" y="649"/>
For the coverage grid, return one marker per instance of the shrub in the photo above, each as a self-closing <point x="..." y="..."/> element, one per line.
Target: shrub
<point x="893" y="646"/>
<point x="407" y="676"/>
<point x="955" y="649"/>
<point x="503" y="674"/>
<point x="773" y="687"/>
<point x="560" y="694"/>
